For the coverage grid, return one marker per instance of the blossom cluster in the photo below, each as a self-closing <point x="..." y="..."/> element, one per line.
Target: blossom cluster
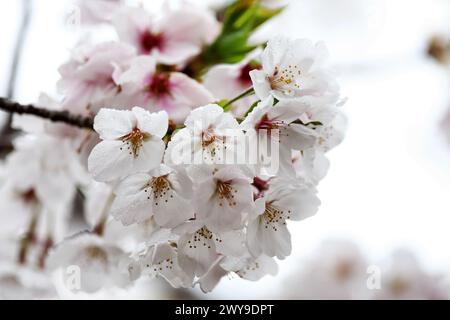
<point x="165" y="180"/>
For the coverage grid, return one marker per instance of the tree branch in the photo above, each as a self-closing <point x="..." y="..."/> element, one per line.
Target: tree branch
<point x="55" y="116"/>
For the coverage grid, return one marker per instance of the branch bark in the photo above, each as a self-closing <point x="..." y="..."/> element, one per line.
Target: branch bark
<point x="54" y="116"/>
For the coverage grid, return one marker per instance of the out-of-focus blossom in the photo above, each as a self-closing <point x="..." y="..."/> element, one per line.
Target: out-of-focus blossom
<point x="337" y="270"/>
<point x="227" y="81"/>
<point x="24" y="284"/>
<point x="98" y="11"/>
<point x="403" y="278"/>
<point x="88" y="79"/>
<point x="156" y="90"/>
<point x="100" y="264"/>
<point x="172" y="37"/>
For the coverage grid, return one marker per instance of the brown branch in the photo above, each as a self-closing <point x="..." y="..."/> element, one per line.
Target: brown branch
<point x="54" y="116"/>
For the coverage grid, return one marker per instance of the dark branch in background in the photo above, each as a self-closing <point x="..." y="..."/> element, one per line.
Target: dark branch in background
<point x="55" y="116"/>
<point x="26" y="16"/>
<point x="7" y="132"/>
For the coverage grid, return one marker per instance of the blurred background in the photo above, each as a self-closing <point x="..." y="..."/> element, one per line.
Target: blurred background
<point x="389" y="182"/>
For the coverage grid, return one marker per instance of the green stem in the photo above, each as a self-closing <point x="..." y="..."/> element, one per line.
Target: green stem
<point x="229" y="104"/>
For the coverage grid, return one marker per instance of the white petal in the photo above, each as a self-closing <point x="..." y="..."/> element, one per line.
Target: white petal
<point x="156" y="124"/>
<point x="107" y="162"/>
<point x="113" y="124"/>
<point x="212" y="277"/>
<point x="149" y="157"/>
<point x="132" y="184"/>
<point x="260" y="83"/>
<point x="172" y="209"/>
<point x="134" y="208"/>
<point x="302" y="203"/>
<point x="140" y="68"/>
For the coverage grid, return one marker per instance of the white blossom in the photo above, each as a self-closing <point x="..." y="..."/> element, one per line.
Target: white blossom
<point x="132" y="143"/>
<point x="294" y="69"/>
<point x="164" y="194"/>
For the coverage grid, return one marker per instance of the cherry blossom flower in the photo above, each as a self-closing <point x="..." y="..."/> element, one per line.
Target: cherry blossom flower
<point x="294" y="69"/>
<point x="171" y="38"/>
<point x="279" y="123"/>
<point x="337" y="269"/>
<point x="164" y="194"/>
<point x="245" y="267"/>
<point x="250" y="268"/>
<point x="404" y="278"/>
<point x="267" y="229"/>
<point x="173" y="92"/>
<point x="199" y="248"/>
<point x="87" y="80"/>
<point x="132" y="143"/>
<point x="21" y="283"/>
<point x="162" y="260"/>
<point x="43" y="187"/>
<point x="98" y="11"/>
<point x="204" y="139"/>
<point x="101" y="263"/>
<point x="237" y="80"/>
<point x="222" y="198"/>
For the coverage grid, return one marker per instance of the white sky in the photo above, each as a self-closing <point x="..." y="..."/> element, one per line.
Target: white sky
<point x="389" y="182"/>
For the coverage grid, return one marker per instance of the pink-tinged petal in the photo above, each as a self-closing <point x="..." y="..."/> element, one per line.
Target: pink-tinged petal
<point x="174" y="52"/>
<point x="260" y="83"/>
<point x="155" y="124"/>
<point x="190" y="24"/>
<point x="140" y="69"/>
<point x="107" y="162"/>
<point x="130" y="22"/>
<point x="98" y="11"/>
<point x="222" y="81"/>
<point x="135" y="208"/>
<point x="114" y="124"/>
<point x="187" y="94"/>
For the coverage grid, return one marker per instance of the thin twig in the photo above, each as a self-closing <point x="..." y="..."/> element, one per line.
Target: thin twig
<point x="55" y="116"/>
<point x="247" y="93"/>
